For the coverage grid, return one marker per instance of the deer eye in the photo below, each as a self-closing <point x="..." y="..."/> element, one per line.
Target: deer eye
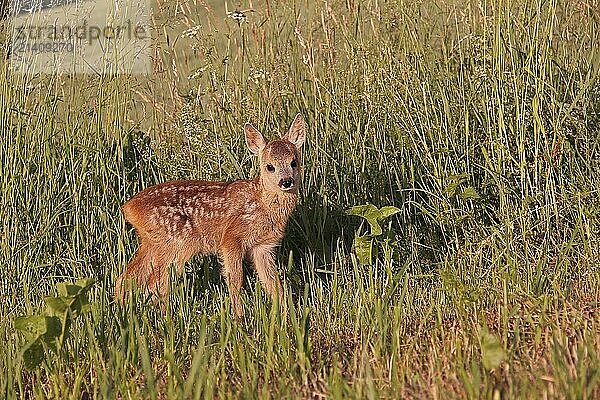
<point x="294" y="164"/>
<point x="270" y="168"/>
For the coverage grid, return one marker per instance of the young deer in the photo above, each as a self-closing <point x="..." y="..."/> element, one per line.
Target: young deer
<point x="176" y="220"/>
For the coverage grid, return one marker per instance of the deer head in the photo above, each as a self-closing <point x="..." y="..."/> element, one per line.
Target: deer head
<point x="279" y="159"/>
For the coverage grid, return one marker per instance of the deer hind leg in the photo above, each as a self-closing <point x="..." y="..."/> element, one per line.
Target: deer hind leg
<point x="136" y="273"/>
<point x="149" y="270"/>
<point x="233" y="273"/>
<point x="173" y="253"/>
<point x="264" y="261"/>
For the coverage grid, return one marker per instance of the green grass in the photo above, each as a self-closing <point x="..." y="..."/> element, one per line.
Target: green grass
<point x="480" y="121"/>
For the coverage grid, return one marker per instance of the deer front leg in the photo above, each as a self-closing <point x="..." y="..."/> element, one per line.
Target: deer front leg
<point x="233" y="273"/>
<point x="264" y="262"/>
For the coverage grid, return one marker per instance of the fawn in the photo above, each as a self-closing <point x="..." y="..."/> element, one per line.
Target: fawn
<point x="178" y="219"/>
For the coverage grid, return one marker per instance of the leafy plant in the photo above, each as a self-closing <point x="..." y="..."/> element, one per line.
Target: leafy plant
<point x="365" y="247"/>
<point x="456" y="187"/>
<point x="50" y="329"/>
<point x="492" y="351"/>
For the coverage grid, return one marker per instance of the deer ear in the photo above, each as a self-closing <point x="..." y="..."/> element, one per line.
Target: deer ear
<point x="254" y="139"/>
<point x="297" y="133"/>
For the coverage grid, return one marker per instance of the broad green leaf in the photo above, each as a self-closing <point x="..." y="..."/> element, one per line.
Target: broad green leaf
<point x="469" y="193"/>
<point x="375" y="227"/>
<point x="371" y="214"/>
<point x="367" y="211"/>
<point x="78" y="305"/>
<point x="458" y="177"/>
<point x="33" y="354"/>
<point x="363" y="248"/>
<point x="388" y="211"/>
<point x="66" y="289"/>
<point x="57" y="305"/>
<point x="40" y="326"/>
<point x="451" y="189"/>
<point x="53" y="327"/>
<point x="85" y="284"/>
<point x="33" y="325"/>
<point x="84" y="304"/>
<point x="53" y="332"/>
<point x="492" y="352"/>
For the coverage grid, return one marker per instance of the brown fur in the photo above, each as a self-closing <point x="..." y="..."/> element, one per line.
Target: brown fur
<point x="176" y="220"/>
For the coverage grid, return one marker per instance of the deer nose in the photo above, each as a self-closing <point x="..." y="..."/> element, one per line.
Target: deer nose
<point x="286" y="183"/>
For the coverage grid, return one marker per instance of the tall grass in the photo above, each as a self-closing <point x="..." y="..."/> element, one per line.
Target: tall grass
<point x="479" y="120"/>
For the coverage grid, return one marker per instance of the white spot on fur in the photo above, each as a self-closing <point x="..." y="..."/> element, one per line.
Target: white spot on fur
<point x="250" y="207"/>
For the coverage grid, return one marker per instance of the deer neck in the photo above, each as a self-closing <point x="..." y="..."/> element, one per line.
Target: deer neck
<point x="278" y="204"/>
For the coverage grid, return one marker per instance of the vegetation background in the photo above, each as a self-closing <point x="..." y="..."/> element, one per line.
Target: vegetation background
<point x="479" y="120"/>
